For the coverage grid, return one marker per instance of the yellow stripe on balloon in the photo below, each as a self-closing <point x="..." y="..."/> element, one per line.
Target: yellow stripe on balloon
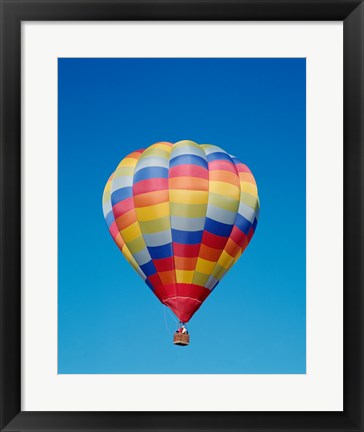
<point x="218" y="271"/>
<point x="131" y="232"/>
<point x="184" y="276"/>
<point x="200" y="278"/>
<point x="191" y="211"/>
<point x="204" y="266"/>
<point x="107" y="193"/>
<point x="249" y="200"/>
<point x="128" y="255"/>
<point x="127" y="171"/>
<point x="226" y="203"/>
<point x="153" y="212"/>
<point x="127" y="162"/>
<point x="225" y="189"/>
<point x="136" y="245"/>
<point x="163" y="145"/>
<point x="225" y="260"/>
<point x="249" y="188"/>
<point x="154" y="226"/>
<point x="192" y="197"/>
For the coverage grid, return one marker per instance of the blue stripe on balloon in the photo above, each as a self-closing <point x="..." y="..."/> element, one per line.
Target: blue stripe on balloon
<point x="121" y="194"/>
<point x="148" y="269"/>
<point x="149" y="284"/>
<point x="255" y="223"/>
<point x="243" y="224"/>
<point x="214" y="286"/>
<point x="188" y="159"/>
<point x="150" y="173"/>
<point x="187" y="237"/>
<point x="218" y="156"/>
<point x="110" y="218"/>
<point x="158" y="252"/>
<point x="218" y="228"/>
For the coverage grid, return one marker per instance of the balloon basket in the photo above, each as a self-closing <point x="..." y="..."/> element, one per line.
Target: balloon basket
<point x="181" y="339"/>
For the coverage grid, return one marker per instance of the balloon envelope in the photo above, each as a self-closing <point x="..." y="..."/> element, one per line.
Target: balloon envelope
<point x="182" y="214"/>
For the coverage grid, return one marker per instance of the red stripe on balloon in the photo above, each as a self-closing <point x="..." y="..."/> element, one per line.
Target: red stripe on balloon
<point x="189" y="170"/>
<point x="123" y="207"/>
<point x="155" y="281"/>
<point x="150" y="185"/>
<point x="242" y="168"/>
<point x="164" y="264"/>
<point x="222" y="165"/>
<point x="184" y="250"/>
<point x="114" y="230"/>
<point x="239" y="237"/>
<point x="250" y="233"/>
<point x="213" y="240"/>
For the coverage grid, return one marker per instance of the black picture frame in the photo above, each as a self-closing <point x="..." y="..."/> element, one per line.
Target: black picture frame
<point x="13" y="12"/>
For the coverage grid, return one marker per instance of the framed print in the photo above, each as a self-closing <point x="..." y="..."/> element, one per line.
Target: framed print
<point x="186" y="235"/>
<point x="181" y="215"/>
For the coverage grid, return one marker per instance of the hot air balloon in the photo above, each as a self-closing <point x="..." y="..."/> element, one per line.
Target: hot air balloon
<point x="182" y="214"/>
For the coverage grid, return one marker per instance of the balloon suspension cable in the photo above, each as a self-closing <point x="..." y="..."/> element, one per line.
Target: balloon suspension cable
<point x="165" y="319"/>
<point x="181" y="324"/>
<point x="171" y="315"/>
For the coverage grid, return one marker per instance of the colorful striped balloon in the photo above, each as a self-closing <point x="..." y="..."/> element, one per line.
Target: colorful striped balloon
<point x="182" y="214"/>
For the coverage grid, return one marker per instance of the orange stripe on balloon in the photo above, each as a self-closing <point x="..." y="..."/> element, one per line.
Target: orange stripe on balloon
<point x="189" y="183"/>
<point x="232" y="248"/>
<point x="185" y="263"/>
<point x="151" y="198"/>
<point x="167" y="277"/>
<point x="126" y="219"/>
<point x="223" y="175"/>
<point x="120" y="242"/>
<point x="209" y="253"/>
<point x="246" y="177"/>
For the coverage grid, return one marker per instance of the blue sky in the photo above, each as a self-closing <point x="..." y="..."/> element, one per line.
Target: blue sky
<point x="108" y="319"/>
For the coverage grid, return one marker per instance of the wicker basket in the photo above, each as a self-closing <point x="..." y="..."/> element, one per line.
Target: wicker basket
<point x="182" y="339"/>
